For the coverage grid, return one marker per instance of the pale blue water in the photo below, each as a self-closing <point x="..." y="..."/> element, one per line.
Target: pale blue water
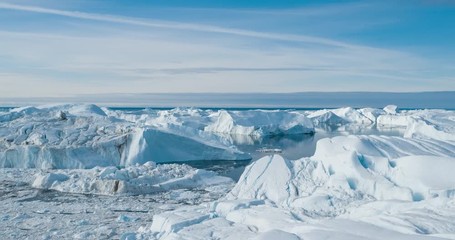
<point x="258" y="100"/>
<point x="293" y="147"/>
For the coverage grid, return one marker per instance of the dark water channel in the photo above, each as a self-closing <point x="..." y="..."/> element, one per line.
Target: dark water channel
<point x="293" y="146"/>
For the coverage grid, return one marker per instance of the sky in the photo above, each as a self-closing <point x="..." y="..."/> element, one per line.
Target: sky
<point x="54" y="48"/>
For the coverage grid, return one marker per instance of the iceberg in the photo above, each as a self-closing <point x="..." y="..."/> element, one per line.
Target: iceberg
<point x="344" y="115"/>
<point x="259" y="123"/>
<point x="381" y="168"/>
<point x="429" y="124"/>
<point x="361" y="183"/>
<point x="84" y="136"/>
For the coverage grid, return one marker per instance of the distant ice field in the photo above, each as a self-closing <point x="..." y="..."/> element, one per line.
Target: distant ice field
<point x="294" y="146"/>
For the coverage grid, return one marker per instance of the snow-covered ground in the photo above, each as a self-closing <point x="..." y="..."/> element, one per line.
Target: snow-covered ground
<point x="81" y="171"/>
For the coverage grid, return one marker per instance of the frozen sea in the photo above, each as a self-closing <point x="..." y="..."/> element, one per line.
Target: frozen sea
<point x="199" y="158"/>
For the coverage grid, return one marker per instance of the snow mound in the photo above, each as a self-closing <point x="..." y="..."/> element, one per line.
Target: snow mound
<point x="139" y="179"/>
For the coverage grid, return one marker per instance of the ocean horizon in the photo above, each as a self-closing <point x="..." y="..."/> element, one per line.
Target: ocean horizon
<point x="232" y="101"/>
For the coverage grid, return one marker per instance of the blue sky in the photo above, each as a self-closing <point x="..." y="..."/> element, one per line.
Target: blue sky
<point x="54" y="48"/>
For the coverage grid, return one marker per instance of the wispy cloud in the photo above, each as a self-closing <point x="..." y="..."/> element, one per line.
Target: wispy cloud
<point x="309" y="11"/>
<point x="178" y="25"/>
<point x="136" y="63"/>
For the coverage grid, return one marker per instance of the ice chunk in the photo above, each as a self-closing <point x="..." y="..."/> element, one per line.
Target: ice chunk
<point x="342" y="116"/>
<point x="48" y="180"/>
<point x="328" y="118"/>
<point x="390" y="109"/>
<point x="132" y="180"/>
<point x="159" y="146"/>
